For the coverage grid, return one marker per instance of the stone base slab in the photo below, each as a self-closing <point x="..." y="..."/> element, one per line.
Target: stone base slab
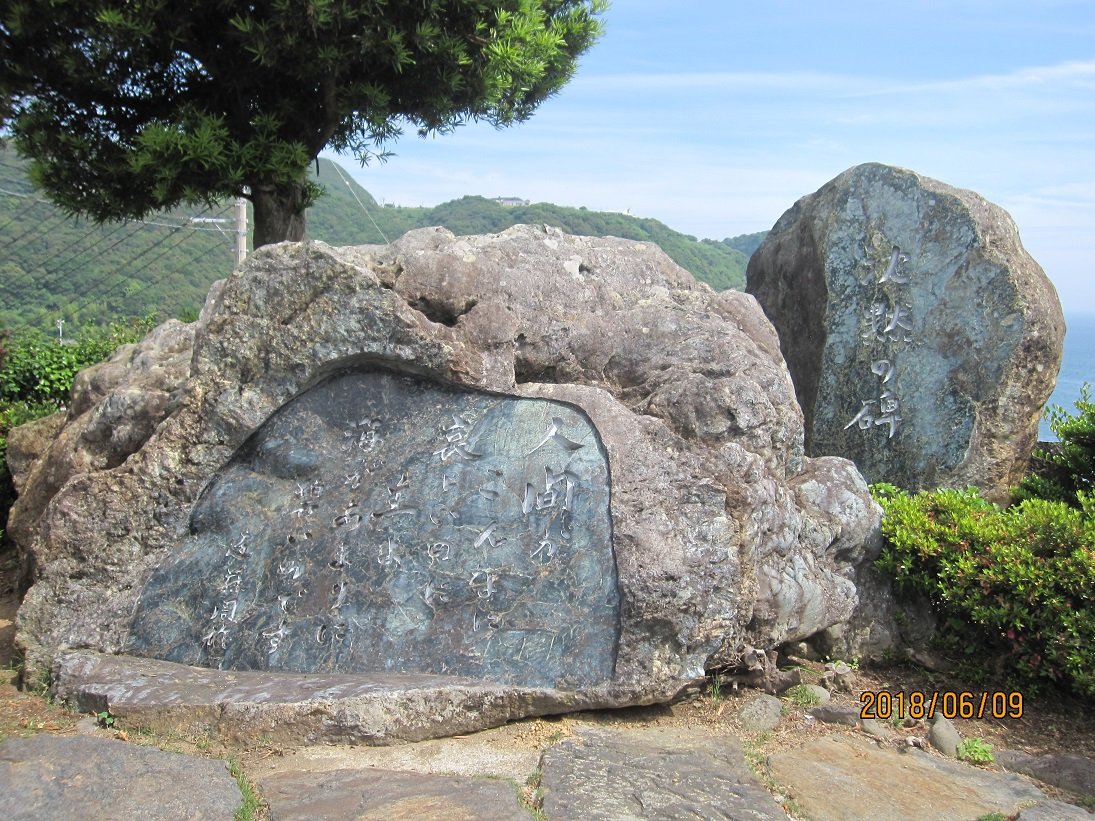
<point x="293" y="708"/>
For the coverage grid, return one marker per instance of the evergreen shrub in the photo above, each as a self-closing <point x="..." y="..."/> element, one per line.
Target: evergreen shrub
<point x="1016" y="585"/>
<point x="1068" y="467"/>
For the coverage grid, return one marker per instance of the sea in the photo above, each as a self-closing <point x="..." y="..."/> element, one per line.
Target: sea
<point x="1077" y="367"/>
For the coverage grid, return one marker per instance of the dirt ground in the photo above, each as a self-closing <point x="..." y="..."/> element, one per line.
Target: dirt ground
<point x="1053" y="723"/>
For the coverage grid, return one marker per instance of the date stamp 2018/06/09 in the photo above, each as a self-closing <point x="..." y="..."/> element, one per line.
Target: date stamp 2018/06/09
<point x="884" y="705"/>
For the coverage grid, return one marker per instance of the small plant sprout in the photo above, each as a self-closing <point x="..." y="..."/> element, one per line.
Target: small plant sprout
<point x="104" y="719"/>
<point x="716" y="687"/>
<point x="975" y="751"/>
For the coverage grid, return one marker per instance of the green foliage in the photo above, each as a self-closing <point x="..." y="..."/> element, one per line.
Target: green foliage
<point x="58" y="268"/>
<point x="159" y="104"/>
<point x="36" y="370"/>
<point x="1017" y="584"/>
<point x="1069" y="468"/>
<point x="975" y="750"/>
<point x="746" y="243"/>
<point x="104" y="719"/>
<point x="714" y="687"/>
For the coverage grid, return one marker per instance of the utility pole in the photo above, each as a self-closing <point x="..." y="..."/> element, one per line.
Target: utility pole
<point x="241" y="227"/>
<point x="60" y="330"/>
<point x="241" y="231"/>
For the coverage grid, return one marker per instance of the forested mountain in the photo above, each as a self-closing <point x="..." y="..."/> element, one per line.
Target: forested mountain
<point x="746" y="243"/>
<point x="56" y="267"/>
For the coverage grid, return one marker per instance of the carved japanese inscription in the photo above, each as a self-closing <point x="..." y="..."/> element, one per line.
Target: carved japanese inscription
<point x="380" y="522"/>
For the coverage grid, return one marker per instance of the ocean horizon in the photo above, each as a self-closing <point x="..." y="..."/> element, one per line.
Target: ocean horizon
<point x="1077" y="367"/>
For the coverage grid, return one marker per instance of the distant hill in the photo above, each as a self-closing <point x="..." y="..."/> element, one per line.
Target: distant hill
<point x="53" y="266"/>
<point x="746" y="243"/>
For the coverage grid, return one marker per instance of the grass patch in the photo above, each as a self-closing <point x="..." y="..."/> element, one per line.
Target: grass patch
<point x="714" y="688"/>
<point x="802" y="696"/>
<point x="757" y="760"/>
<point x="251" y="808"/>
<point x="531" y="795"/>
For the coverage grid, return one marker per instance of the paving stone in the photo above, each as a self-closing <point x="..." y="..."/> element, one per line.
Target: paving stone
<point x="78" y="777"/>
<point x="852" y="778"/>
<point x="1054" y="811"/>
<point x="652" y="773"/>
<point x="386" y="795"/>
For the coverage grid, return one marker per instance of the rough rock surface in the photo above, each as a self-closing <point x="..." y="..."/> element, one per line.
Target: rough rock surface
<point x="1069" y="772"/>
<point x="852" y="778"/>
<point x="91" y="778"/>
<point x="651" y="773"/>
<point x="760" y="713"/>
<point x="922" y="338"/>
<point x="724" y="537"/>
<point x="114" y="409"/>
<point x="251" y="706"/>
<point x="382" y="795"/>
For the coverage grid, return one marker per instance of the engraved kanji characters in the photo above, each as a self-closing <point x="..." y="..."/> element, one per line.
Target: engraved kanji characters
<point x="456" y="438"/>
<point x="888" y="321"/>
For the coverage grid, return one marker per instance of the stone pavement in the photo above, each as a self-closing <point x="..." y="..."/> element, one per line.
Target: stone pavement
<point x="77" y="777"/>
<point x="586" y="770"/>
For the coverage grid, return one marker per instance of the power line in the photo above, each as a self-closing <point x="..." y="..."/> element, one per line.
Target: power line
<point x="67" y="265"/>
<point x="23" y="195"/>
<point x="87" y="234"/>
<point x="30" y="276"/>
<point x="148" y="284"/>
<point x="359" y="202"/>
<point x="70" y="262"/>
<point x="128" y="277"/>
<point x="124" y="280"/>
<point x="41" y="227"/>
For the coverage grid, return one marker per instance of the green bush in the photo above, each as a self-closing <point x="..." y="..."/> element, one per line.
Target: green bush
<point x="1015" y="584"/>
<point x="1068" y="469"/>
<point x="35" y="368"/>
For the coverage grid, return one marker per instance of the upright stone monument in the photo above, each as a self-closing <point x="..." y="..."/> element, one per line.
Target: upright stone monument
<point x="922" y="339"/>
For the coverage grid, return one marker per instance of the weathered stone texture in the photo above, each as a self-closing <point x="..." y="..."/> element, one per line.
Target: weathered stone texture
<point x="381" y="795"/>
<point x="850" y="777"/>
<point x="114" y="408"/>
<point x="652" y="772"/>
<point x="724" y="537"/>
<point x="922" y="338"/>
<point x="92" y="778"/>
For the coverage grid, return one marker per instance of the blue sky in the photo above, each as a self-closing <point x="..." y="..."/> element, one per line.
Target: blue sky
<point x="714" y="117"/>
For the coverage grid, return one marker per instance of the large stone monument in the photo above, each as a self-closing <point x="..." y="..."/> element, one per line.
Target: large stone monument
<point x="504" y="475"/>
<point x="922" y="339"/>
